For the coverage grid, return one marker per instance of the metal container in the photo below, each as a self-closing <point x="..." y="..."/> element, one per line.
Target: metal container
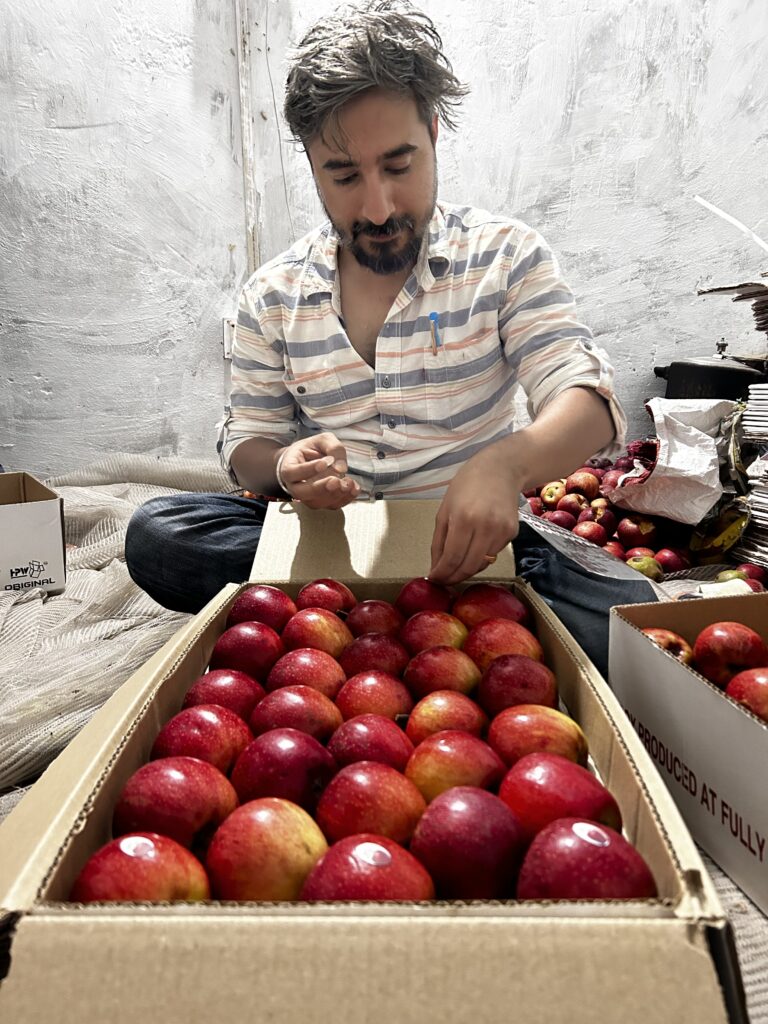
<point x="716" y="376"/>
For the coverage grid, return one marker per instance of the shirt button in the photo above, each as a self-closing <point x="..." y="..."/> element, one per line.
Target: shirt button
<point x="391" y="424"/>
<point x="385" y="382"/>
<point x="381" y="455"/>
<point x="378" y="495"/>
<point x="301" y="389"/>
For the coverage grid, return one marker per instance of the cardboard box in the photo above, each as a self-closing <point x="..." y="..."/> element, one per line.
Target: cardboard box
<point x="31" y="536"/>
<point x="711" y="752"/>
<point x="666" y="960"/>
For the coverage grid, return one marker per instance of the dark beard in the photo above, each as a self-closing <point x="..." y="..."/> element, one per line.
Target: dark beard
<point x="385" y="260"/>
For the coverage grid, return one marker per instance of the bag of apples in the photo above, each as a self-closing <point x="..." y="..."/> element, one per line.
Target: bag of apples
<point x="344" y="749"/>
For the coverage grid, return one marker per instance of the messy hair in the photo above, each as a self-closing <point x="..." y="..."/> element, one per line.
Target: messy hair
<point x="385" y="44"/>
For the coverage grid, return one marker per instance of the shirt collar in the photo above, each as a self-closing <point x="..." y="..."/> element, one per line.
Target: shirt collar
<point x="434" y="260"/>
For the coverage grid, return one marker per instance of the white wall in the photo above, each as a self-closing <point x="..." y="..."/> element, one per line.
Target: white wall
<point x="597" y="122"/>
<point x="121" y="226"/>
<point x="122" y="239"/>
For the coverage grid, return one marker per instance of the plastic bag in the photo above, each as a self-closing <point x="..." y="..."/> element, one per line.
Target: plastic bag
<point x="684" y="482"/>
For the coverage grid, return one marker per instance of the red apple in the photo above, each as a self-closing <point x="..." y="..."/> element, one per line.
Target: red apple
<point x="754" y="572"/>
<point x="325" y="593"/>
<point x="374" y="693"/>
<point x="368" y="796"/>
<point x="534" y="728"/>
<point x="440" y="668"/>
<point x="284" y="763"/>
<point x="493" y="637"/>
<point x="671" y="561"/>
<point x="583" y="483"/>
<point x="306" y="666"/>
<point x="607" y="519"/>
<point x="481" y="601"/>
<point x="541" y="787"/>
<point x="471" y="844"/>
<point x="573" y="859"/>
<point x="212" y="733"/>
<point x="573" y="503"/>
<point x="421" y="594"/>
<point x="264" y="851"/>
<point x="593" y="532"/>
<point x="636" y="530"/>
<point x="296" y="707"/>
<point x="370" y="738"/>
<point x="368" y="867"/>
<point x="453" y="758"/>
<point x="375" y="652"/>
<point x="625" y="463"/>
<point x="318" y="628"/>
<point x="183" y="798"/>
<point x="250" y="647"/>
<point x="670" y="641"/>
<point x="724" y="649"/>
<point x="614" y="548"/>
<point x="750" y="688"/>
<point x="432" y="629"/>
<point x="647" y="566"/>
<point x="640" y="553"/>
<point x="444" y="710"/>
<point x="587" y="516"/>
<point x="551" y="493"/>
<point x="597" y="471"/>
<point x="755" y="586"/>
<point x="610" y="480"/>
<point x="227" y="688"/>
<point x="141" y="866"/>
<point x="262" y="603"/>
<point x="536" y="505"/>
<point x="516" y="679"/>
<point x="374" y="617"/>
<point x="562" y="519"/>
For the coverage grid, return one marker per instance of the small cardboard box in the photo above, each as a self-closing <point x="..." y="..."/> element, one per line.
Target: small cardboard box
<point x="31" y="536"/>
<point x="711" y="752"/>
<point x="669" y="960"/>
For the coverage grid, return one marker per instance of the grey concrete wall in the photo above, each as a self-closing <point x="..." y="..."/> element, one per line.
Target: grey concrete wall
<point x="121" y="227"/>
<point x="597" y="122"/>
<point x="122" y="239"/>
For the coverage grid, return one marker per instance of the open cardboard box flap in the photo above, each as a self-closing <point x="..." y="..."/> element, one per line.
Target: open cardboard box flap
<point x="667" y="960"/>
<point x="384" y="541"/>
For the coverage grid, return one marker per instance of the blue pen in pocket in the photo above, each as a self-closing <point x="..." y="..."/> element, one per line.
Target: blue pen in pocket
<point x="436" y="342"/>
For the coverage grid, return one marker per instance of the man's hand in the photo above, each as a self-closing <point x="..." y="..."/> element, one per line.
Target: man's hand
<point x="477" y="517"/>
<point x="314" y="472"/>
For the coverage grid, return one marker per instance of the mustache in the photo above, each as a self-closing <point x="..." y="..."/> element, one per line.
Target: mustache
<point x="385" y="230"/>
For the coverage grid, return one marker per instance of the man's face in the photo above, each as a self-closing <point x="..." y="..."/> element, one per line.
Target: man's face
<point x="376" y="176"/>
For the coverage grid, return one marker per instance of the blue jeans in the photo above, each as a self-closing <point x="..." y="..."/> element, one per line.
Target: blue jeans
<point x="183" y="549"/>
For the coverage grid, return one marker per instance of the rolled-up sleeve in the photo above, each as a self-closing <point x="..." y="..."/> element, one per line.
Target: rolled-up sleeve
<point x="260" y="405"/>
<point x="549" y="348"/>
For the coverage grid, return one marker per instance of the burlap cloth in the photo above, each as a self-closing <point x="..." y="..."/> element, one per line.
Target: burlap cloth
<point x="63" y="656"/>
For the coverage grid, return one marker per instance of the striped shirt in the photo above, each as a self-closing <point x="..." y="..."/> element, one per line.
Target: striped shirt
<point x="484" y="312"/>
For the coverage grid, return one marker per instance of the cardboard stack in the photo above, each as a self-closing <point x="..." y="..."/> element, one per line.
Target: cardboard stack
<point x="665" y="960"/>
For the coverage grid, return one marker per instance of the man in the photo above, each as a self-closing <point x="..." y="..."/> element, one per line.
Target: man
<point x="379" y="356"/>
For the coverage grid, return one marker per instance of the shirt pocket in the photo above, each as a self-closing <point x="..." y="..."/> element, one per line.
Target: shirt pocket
<point x="464" y="373"/>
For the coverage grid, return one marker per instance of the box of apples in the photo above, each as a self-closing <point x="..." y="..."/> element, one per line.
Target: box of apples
<point x="693" y="679"/>
<point x="331" y="790"/>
